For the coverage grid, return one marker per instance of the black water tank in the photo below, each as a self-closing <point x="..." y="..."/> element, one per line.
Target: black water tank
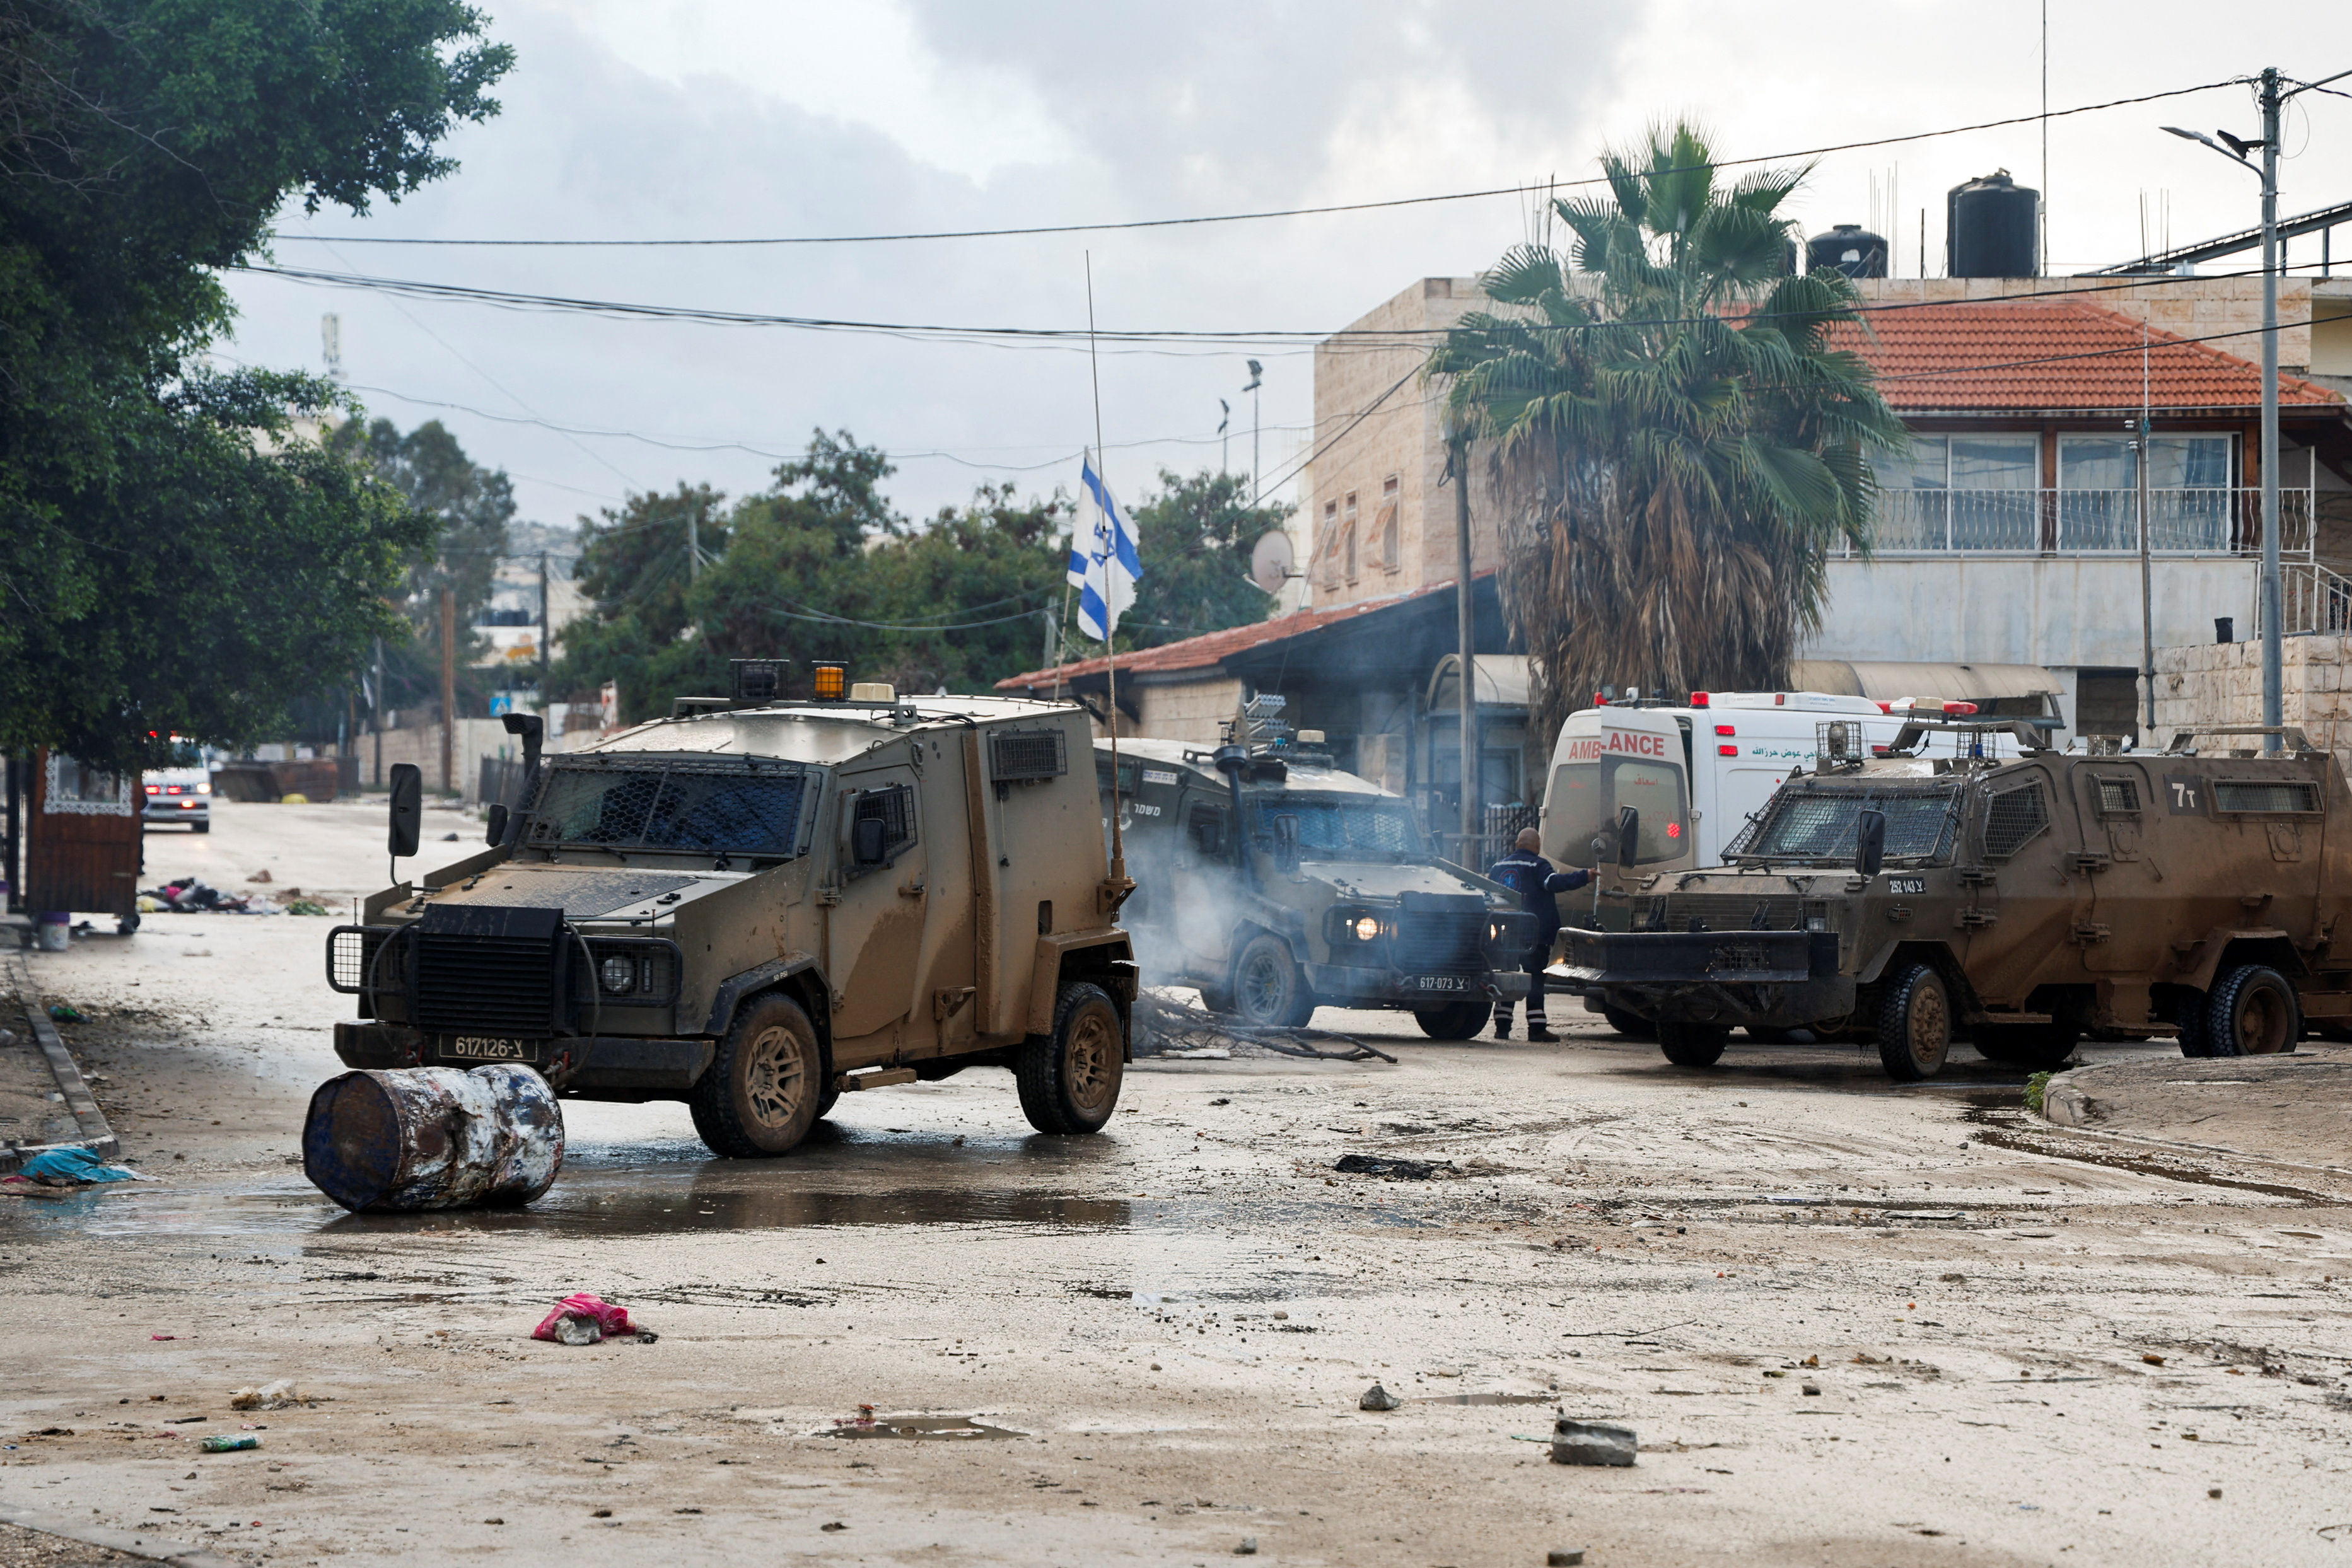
<point x="1992" y="229"/>
<point x="1848" y="248"/>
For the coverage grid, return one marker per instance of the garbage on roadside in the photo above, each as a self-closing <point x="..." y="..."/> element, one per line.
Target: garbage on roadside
<point x="1165" y="1027"/>
<point x="397" y="1139"/>
<point x="74" y="1167"/>
<point x="66" y="1012"/>
<point x="229" y="1445"/>
<point x="1591" y="1443"/>
<point x="187" y="895"/>
<point x="586" y="1318"/>
<point x="283" y="1394"/>
<point x="1401" y="1170"/>
<point x="261" y="875"/>
<point x="1378" y="1398"/>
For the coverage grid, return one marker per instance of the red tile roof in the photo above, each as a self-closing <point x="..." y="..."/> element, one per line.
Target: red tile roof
<point x="1207" y="650"/>
<point x="1987" y="356"/>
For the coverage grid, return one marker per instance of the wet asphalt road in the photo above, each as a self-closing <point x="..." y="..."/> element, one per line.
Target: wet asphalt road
<point x="1175" y="1319"/>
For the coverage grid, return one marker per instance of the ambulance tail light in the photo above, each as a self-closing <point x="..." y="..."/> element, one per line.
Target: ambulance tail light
<point x="1725" y="730"/>
<point x="1727" y="751"/>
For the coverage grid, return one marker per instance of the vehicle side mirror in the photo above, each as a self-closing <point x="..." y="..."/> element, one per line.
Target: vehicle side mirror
<point x="1286" y="842"/>
<point x="495" y="833"/>
<point x="408" y="807"/>
<point x="866" y="841"/>
<point x="1870" y="841"/>
<point x="1629" y="836"/>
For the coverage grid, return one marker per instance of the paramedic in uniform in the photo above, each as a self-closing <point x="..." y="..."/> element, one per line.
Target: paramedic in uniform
<point x="1531" y="877"/>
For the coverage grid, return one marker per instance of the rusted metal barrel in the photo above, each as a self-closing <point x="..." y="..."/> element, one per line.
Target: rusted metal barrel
<point x="434" y="1137"/>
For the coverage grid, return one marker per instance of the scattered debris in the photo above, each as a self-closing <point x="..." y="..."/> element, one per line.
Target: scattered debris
<point x="917" y="1427"/>
<point x="834" y="1525"/>
<point x="74" y="1167"/>
<point x="230" y="1445"/>
<point x="1567" y="1559"/>
<point x="585" y="1319"/>
<point x="66" y="1012"/>
<point x="1378" y="1398"/>
<point x="261" y="875"/>
<point x="284" y="1394"/>
<point x="1591" y="1443"/>
<point x="1814" y="1389"/>
<point x="1382" y="1166"/>
<point x="2152" y="1360"/>
<point x="1168" y="1027"/>
<point x="1249" y="1548"/>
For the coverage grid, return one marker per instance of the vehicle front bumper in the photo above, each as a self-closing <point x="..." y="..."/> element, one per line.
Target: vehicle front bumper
<point x="1343" y="985"/>
<point x="1776" y="978"/>
<point x="588" y="1067"/>
<point x="178" y="808"/>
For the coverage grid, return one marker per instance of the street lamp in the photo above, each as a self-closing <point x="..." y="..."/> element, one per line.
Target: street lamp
<point x="2235" y="149"/>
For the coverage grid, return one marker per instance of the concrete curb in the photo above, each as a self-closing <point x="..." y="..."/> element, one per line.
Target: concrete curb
<point x="148" y="1547"/>
<point x="95" y="1136"/>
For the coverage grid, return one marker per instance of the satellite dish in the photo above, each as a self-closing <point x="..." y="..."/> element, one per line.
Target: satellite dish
<point x="1271" y="560"/>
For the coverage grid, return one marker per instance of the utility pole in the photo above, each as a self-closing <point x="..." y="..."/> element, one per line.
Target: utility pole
<point x="1257" y="379"/>
<point x="2147" y="587"/>
<point x="546" y="620"/>
<point x="1464" y="630"/>
<point x="2273" y="706"/>
<point x="448" y="690"/>
<point x="693" y="544"/>
<point x="378" y="712"/>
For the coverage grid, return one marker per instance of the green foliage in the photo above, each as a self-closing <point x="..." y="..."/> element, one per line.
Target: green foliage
<point x="471" y="507"/>
<point x="820" y="568"/>
<point x="1673" y="442"/>
<point x="163" y="568"/>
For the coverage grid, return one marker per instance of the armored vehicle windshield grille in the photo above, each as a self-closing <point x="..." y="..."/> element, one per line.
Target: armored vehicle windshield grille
<point x="1342" y="827"/>
<point x="2118" y="797"/>
<point x="1441" y="941"/>
<point x="1018" y="754"/>
<point x="2234" y="795"/>
<point x="690" y="807"/>
<point x="1724" y="912"/>
<point x="2011" y="820"/>
<point x="1821" y="824"/>
<point x="484" y="984"/>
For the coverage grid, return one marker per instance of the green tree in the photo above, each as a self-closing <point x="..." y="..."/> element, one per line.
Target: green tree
<point x="1673" y="442"/>
<point x="634" y="567"/>
<point x="1195" y="538"/>
<point x="144" y="145"/>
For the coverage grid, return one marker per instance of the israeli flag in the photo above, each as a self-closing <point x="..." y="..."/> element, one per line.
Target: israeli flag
<point x="1104" y="564"/>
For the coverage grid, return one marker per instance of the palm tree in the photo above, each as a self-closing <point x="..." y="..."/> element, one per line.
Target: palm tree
<point x="1674" y="445"/>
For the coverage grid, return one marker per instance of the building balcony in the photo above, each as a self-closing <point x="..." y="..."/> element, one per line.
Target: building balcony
<point x="2181" y="522"/>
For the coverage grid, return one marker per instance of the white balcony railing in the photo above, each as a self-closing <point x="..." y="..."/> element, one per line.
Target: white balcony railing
<point x="2088" y="522"/>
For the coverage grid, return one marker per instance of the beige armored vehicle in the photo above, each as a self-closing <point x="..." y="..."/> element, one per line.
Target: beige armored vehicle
<point x="1278" y="884"/>
<point x="1904" y="901"/>
<point x="757" y="904"/>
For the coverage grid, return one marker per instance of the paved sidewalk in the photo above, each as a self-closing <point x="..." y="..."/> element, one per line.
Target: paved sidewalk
<point x="43" y="1100"/>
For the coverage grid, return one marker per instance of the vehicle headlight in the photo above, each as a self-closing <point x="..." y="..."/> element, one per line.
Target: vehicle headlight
<point x="203" y="788"/>
<point x="620" y="975"/>
<point x="1817" y="922"/>
<point x="1367" y="927"/>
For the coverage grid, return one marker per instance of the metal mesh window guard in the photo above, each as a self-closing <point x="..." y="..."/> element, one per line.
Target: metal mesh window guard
<point x="2233" y="795"/>
<point x="1819" y="825"/>
<point x="1346" y="830"/>
<point x="2118" y="796"/>
<point x="1017" y="755"/>
<point x="696" y="809"/>
<point x="2012" y="818"/>
<point x="894" y="808"/>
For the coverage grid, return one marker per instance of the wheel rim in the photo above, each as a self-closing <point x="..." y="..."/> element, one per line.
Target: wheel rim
<point x="2261" y="1022"/>
<point x="1928" y="1027"/>
<point x="774" y="1078"/>
<point x="1264" y="986"/>
<point x="1090" y="1060"/>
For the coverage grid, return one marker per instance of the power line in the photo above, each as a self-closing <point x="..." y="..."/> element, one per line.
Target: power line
<point x="2046" y="114"/>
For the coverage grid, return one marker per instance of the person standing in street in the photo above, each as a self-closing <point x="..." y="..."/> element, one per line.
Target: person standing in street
<point x="1526" y="872"/>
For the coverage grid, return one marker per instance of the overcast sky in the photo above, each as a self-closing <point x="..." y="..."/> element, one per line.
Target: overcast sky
<point x="644" y="119"/>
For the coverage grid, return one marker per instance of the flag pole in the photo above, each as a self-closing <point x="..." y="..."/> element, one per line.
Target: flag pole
<point x="1111" y="654"/>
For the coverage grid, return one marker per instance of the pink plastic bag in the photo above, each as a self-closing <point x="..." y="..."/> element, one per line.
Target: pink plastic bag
<point x="613" y="1320"/>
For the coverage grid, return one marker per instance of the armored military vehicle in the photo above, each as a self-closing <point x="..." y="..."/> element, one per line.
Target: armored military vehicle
<point x="757" y="903"/>
<point x="1276" y="883"/>
<point x="1904" y="900"/>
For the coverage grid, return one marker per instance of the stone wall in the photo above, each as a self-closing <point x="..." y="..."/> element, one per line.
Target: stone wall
<point x="2222" y="684"/>
<point x="1188" y="711"/>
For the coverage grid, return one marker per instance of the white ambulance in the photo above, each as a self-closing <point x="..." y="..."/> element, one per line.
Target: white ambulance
<point x="1695" y="774"/>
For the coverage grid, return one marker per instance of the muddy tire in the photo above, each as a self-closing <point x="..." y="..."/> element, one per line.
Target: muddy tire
<point x="1693" y="1044"/>
<point x="1915" y="1025"/>
<point x="765" y="1087"/>
<point x="1217" y="998"/>
<point x="1456" y="1020"/>
<point x="2253" y="1010"/>
<point x="2195" y="1040"/>
<point x="1632" y="1026"/>
<point x="2036" y="1047"/>
<point x="1269" y="988"/>
<point x="1069" y="1077"/>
